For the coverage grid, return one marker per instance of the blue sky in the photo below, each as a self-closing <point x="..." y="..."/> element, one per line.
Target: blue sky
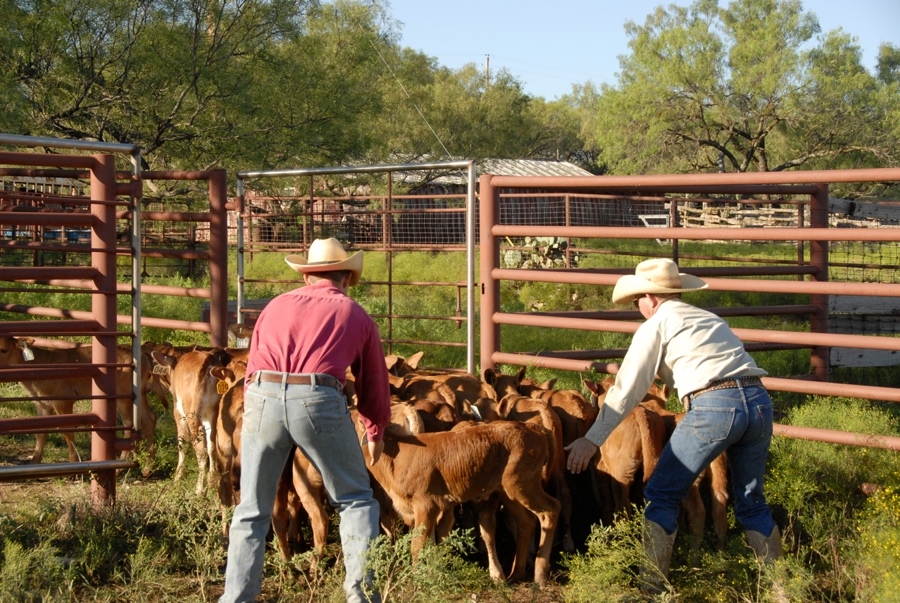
<point x="548" y="46"/>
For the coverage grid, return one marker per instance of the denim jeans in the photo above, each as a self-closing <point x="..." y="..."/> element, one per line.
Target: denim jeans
<point x="315" y="418"/>
<point x="738" y="420"/>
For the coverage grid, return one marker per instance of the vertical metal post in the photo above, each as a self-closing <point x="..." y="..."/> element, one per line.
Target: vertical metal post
<point x="801" y="247"/>
<point x="309" y="224"/>
<point x="568" y="239"/>
<point x="673" y="223"/>
<point x="218" y="260"/>
<point x="240" y="251"/>
<point x="137" y="193"/>
<point x="470" y="268"/>
<point x="389" y="256"/>
<point x="490" y="287"/>
<point x="103" y="351"/>
<point x="820" y="357"/>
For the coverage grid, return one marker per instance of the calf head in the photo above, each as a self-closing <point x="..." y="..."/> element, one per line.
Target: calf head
<point x="504" y="384"/>
<point x="14" y="350"/>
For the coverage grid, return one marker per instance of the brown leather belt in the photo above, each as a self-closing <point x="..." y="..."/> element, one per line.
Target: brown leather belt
<point x="721" y="384"/>
<point x="322" y="379"/>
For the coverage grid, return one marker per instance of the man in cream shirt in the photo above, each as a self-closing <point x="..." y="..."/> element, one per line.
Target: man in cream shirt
<point x="696" y="353"/>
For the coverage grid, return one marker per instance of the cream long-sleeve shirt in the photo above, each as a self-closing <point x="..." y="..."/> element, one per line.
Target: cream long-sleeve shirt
<point x="688" y="347"/>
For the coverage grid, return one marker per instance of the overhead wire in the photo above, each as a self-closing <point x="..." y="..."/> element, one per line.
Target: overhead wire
<point x="368" y="35"/>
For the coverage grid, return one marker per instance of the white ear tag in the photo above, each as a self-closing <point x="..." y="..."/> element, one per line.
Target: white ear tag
<point x="242" y="342"/>
<point x="27" y="354"/>
<point x="159" y="369"/>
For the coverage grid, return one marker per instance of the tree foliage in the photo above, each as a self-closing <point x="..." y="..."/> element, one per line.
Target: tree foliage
<point x="263" y="84"/>
<point x="258" y="84"/>
<point x="707" y="88"/>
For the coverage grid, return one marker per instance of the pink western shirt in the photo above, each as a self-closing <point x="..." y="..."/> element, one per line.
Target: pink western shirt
<point x="318" y="329"/>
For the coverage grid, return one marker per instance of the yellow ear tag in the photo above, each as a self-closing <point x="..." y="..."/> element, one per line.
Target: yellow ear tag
<point x="222" y="387"/>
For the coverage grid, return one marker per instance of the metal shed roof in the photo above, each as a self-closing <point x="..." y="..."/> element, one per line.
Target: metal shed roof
<point x="528" y="167"/>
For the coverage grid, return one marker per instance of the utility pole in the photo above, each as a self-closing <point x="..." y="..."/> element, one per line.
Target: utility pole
<point x="487" y="71"/>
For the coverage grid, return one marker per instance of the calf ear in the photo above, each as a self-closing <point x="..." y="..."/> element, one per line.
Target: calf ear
<point x="391" y="361"/>
<point x="490" y="377"/>
<point x="163" y="359"/>
<point x="222" y="373"/>
<point x="413" y="361"/>
<point x="547" y="385"/>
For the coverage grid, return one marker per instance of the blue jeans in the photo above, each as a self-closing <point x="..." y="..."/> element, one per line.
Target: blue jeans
<point x="278" y="416"/>
<point x="738" y="420"/>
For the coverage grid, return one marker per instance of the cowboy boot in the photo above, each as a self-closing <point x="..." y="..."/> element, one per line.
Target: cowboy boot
<point x="657" y="555"/>
<point x="767" y="548"/>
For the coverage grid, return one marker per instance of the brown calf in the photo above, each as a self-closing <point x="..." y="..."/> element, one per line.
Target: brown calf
<point x="67" y="391"/>
<point x="196" y="394"/>
<point x="634" y="445"/>
<point x="515" y="407"/>
<point x="428" y="474"/>
<point x="715" y="475"/>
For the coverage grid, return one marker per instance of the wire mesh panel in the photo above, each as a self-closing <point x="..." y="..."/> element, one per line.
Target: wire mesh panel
<point x="416" y="281"/>
<point x="24" y="195"/>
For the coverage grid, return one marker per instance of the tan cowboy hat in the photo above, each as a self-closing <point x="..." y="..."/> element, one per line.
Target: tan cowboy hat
<point x="656" y="277"/>
<point x="327" y="255"/>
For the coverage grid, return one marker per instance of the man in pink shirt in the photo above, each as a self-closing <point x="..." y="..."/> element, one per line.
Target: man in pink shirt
<point x="302" y="344"/>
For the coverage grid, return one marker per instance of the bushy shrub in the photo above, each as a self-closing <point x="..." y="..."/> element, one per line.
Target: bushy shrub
<point x="607" y="571"/>
<point x="877" y="550"/>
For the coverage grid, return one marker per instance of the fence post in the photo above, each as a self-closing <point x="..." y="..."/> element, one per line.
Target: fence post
<point x="490" y="287"/>
<point x="103" y="351"/>
<point x="820" y="356"/>
<point x="218" y="259"/>
<point x="389" y="258"/>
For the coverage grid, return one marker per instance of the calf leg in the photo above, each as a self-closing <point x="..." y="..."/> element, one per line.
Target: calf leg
<point x="311" y="500"/>
<point x="525" y="523"/>
<point x="184" y="439"/>
<point x="445" y="523"/>
<point x="207" y="424"/>
<point x="425" y="520"/>
<point x="719" y="485"/>
<point x="695" y="512"/>
<point x="564" y="496"/>
<point x="487" y="525"/>
<point x="281" y="514"/>
<point x="546" y="509"/>
<point x="202" y="457"/>
<point x="62" y="407"/>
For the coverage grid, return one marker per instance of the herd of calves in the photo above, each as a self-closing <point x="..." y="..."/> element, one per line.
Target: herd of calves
<point x="454" y="439"/>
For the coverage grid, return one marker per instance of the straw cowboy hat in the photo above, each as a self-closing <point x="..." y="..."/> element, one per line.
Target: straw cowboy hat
<point x="327" y="255"/>
<point x="656" y="277"/>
